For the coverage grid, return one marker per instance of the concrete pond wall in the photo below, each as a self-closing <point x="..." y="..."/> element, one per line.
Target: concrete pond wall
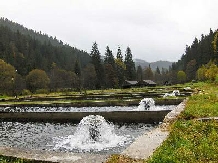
<point x="113" y="116"/>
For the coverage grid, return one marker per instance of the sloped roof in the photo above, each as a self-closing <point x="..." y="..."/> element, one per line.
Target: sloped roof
<point x="131" y="82"/>
<point x="149" y="82"/>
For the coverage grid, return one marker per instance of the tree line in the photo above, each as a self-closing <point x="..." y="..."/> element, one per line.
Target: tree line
<point x="199" y="60"/>
<point x="38" y="64"/>
<point x="29" y="65"/>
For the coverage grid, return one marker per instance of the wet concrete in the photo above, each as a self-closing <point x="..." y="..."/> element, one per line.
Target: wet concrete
<point x="61" y="157"/>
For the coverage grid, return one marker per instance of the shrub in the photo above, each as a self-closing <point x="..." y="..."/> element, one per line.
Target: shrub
<point x="42" y="91"/>
<point x="26" y="92"/>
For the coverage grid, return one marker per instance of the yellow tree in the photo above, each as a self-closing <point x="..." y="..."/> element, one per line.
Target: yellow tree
<point x="7" y="77"/>
<point x="212" y="72"/>
<point x="181" y="76"/>
<point x="201" y="73"/>
<point x="37" y="79"/>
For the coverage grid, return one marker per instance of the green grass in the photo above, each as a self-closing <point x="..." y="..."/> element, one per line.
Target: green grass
<point x="190" y="140"/>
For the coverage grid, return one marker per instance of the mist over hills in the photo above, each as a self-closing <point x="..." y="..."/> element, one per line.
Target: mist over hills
<point x="153" y="65"/>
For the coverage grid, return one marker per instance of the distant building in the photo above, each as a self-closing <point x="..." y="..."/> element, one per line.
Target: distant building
<point x="130" y="84"/>
<point x="149" y="83"/>
<point x="143" y="83"/>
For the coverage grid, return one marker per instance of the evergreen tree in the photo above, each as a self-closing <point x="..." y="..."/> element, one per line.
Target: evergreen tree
<point x="119" y="54"/>
<point x="111" y="80"/>
<point x="191" y="69"/>
<point x="157" y="70"/>
<point x="130" y="65"/>
<point x="120" y="67"/>
<point x="77" y="68"/>
<point x="96" y="61"/>
<point x="157" y="75"/>
<point x="110" y="76"/>
<point x="89" y="77"/>
<point x="139" y="73"/>
<point x="148" y="73"/>
<point x="109" y="58"/>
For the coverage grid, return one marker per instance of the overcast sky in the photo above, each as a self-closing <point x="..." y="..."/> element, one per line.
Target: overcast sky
<point x="153" y="29"/>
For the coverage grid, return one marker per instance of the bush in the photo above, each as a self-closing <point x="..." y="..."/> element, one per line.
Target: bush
<point x="26" y="92"/>
<point x="42" y="91"/>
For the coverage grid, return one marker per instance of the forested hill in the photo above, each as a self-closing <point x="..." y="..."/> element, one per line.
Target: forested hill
<point x="199" y="53"/>
<point x="153" y="65"/>
<point x="27" y="50"/>
<point x="34" y="34"/>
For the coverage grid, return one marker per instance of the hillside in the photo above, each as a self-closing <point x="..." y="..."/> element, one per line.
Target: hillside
<point x="153" y="65"/>
<point x="14" y="27"/>
<point x="199" y="53"/>
<point x="26" y="49"/>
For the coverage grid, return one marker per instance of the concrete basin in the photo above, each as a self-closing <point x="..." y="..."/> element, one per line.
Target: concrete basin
<point x="113" y="116"/>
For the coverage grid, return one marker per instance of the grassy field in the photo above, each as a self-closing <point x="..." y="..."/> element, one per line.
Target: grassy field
<point x="191" y="140"/>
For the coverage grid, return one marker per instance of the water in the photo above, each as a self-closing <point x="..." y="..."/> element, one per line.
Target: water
<point x="60" y="137"/>
<point x="82" y="109"/>
<point x="148" y="104"/>
<point x="173" y="94"/>
<point x="66" y="109"/>
<point x="93" y="134"/>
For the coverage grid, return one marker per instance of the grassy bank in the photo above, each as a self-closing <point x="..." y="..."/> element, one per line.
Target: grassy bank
<point x="190" y="140"/>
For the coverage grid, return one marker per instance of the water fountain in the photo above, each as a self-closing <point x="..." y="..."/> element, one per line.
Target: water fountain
<point x="173" y="94"/>
<point x="93" y="134"/>
<point x="148" y="104"/>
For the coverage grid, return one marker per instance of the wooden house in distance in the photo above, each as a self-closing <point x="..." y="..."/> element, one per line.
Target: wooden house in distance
<point x="143" y="83"/>
<point x="130" y="84"/>
<point x="148" y="83"/>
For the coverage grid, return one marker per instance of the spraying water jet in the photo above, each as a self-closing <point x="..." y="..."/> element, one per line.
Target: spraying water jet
<point x="93" y="134"/>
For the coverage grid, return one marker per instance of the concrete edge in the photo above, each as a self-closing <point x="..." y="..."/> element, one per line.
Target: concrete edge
<point x="53" y="156"/>
<point x="145" y="145"/>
